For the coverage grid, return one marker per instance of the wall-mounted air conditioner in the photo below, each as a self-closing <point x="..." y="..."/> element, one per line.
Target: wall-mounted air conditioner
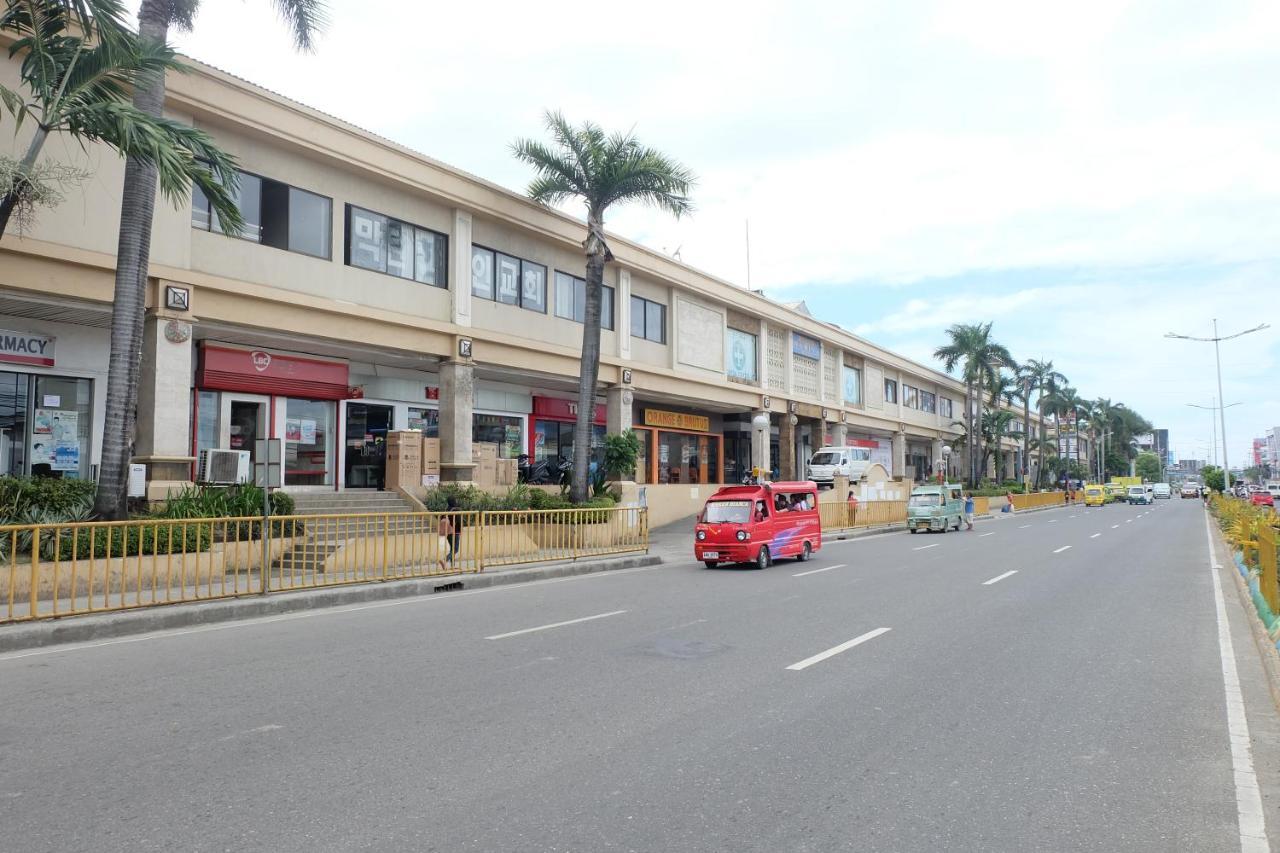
<point x="224" y="467"/>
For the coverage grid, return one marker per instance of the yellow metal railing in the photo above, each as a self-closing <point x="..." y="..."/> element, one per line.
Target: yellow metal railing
<point x="51" y="570"/>
<point x="1036" y="500"/>
<point x="1252" y="529"/>
<point x="840" y="515"/>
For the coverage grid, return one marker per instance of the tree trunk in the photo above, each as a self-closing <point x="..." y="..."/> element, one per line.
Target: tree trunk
<point x="1040" y="466"/>
<point x="10" y="201"/>
<point x="133" y="256"/>
<point x="1026" y="435"/>
<point x="589" y="369"/>
<point x="968" y="435"/>
<point x="977" y="436"/>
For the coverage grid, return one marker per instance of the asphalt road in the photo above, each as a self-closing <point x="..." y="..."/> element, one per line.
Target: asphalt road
<point x="1052" y="681"/>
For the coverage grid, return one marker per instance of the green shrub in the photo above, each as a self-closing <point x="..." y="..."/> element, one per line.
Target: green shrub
<point x="223" y="502"/>
<point x="64" y="496"/>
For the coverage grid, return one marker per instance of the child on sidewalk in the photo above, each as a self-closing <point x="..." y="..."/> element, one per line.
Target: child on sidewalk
<point x="968" y="510"/>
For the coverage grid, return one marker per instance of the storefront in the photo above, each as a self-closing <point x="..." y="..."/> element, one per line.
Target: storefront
<point x="881" y="449"/>
<point x="678" y="447"/>
<point x="551" y="437"/>
<point x="243" y="395"/>
<point x="47" y="422"/>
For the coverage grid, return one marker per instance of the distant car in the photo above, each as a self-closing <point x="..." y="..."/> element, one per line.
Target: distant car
<point x="1262" y="499"/>
<point x="1161" y="490"/>
<point x="1190" y="491"/>
<point x="1094" y="496"/>
<point x="1139" y="495"/>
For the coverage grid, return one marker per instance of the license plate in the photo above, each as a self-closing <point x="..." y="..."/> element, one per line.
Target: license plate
<point x="922" y="524"/>
<point x="710" y="555"/>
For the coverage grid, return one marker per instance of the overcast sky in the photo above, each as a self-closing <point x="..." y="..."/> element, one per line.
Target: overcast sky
<point x="1088" y="176"/>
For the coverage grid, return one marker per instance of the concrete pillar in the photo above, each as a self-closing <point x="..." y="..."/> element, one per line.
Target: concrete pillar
<point x="760" y="434"/>
<point x="618" y="409"/>
<point x="937" y="460"/>
<point x="457" y="396"/>
<point x="839" y="435"/>
<point x="622" y="312"/>
<point x="900" y="454"/>
<point x="163" y="437"/>
<point x="787" y="447"/>
<point x="762" y="355"/>
<point x="460" y="268"/>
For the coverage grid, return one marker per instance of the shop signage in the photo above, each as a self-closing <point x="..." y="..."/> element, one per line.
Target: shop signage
<point x="676" y="420"/>
<point x="555" y="407"/>
<point x="26" y="348"/>
<point x="432" y="392"/>
<point x="806" y="346"/>
<point x="742" y="355"/>
<point x="256" y="371"/>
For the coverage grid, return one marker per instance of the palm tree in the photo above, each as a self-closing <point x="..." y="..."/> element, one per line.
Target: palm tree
<point x="1103" y="416"/>
<point x="77" y="82"/>
<point x="996" y="428"/>
<point x="133" y="252"/>
<point x="980" y="359"/>
<point x="600" y="170"/>
<point x="1002" y="390"/>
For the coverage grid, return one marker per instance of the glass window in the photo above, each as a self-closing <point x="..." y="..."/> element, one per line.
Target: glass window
<point x="310" y="221"/>
<point x="740" y="354"/>
<point x="426" y="420"/>
<point x="199" y="209"/>
<point x="503" y="430"/>
<point x="481" y="272"/>
<point x="928" y="402"/>
<point x="508" y="279"/>
<point x="655" y="322"/>
<point x="566" y="296"/>
<point x="60" y="432"/>
<point x="431" y="258"/>
<point x="207" y="405"/>
<point x="890" y="391"/>
<point x="248" y="198"/>
<point x="606" y="307"/>
<point x="14" y="395"/>
<point x="368" y="240"/>
<point x="686" y="458"/>
<point x="308" y="461"/>
<point x="944" y="406"/>
<point x="852" y="385"/>
<point x="910" y="397"/>
<point x="399" y="249"/>
<point x="533" y="286"/>
<point x="645" y="454"/>
<point x="637" y="317"/>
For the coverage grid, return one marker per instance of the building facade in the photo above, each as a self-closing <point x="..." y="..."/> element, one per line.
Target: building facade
<point x="375" y="289"/>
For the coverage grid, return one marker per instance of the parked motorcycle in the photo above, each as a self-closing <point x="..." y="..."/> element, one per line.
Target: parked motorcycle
<point x="534" y="473"/>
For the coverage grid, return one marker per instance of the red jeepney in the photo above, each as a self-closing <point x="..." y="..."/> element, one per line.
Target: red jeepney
<point x="758" y="524"/>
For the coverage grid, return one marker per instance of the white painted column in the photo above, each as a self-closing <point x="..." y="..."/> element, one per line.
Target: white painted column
<point x="760" y="434"/>
<point x="457" y="395"/>
<point x="619" y="415"/>
<point x="622" y="308"/>
<point x="900" y="454"/>
<point x="762" y="356"/>
<point x="673" y="327"/>
<point x="163" y="431"/>
<point x="460" y="268"/>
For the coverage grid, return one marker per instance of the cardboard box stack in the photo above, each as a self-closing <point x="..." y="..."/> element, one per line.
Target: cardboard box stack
<point x="404" y="459"/>
<point x="430" y="461"/>
<point x="508" y="472"/>
<point x="485" y="455"/>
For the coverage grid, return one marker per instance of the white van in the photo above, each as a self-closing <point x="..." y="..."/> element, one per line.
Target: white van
<point x="850" y="462"/>
<point x="1161" y="490"/>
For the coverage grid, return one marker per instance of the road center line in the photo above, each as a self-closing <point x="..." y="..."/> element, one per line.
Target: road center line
<point x="992" y="533"/>
<point x="999" y="578"/>
<point x="1023" y="526"/>
<point x="1095" y="536"/>
<point x="815" y="571"/>
<point x="1053" y="521"/>
<point x="1253" y="826"/>
<point x="554" y="625"/>
<point x="1128" y="521"/>
<point x="926" y="547"/>
<point x="835" y="650"/>
<point x="1063" y="548"/>
<point x="1114" y="526"/>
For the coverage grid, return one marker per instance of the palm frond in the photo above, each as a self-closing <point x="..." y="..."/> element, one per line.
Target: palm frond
<point x="305" y="18"/>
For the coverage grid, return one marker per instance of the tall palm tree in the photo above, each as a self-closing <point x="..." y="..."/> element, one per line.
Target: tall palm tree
<point x="1051" y="383"/>
<point x="1032" y="374"/>
<point x="980" y="358"/>
<point x="1103" y="416"/>
<point x="133" y="253"/>
<point x="1002" y="390"/>
<point x="76" y="81"/>
<point x="600" y="171"/>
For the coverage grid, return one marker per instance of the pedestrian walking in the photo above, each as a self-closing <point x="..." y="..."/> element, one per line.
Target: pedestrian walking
<point x="450" y="534"/>
<point x="968" y="509"/>
<point x="1009" y="497"/>
<point x="853" y="509"/>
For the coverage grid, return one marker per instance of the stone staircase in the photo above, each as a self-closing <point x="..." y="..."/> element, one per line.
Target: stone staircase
<point x="365" y="514"/>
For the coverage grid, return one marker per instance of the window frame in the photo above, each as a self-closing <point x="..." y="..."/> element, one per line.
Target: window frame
<point x="209" y="226"/>
<point x="911" y="393"/>
<point x="554" y="297"/>
<point x="891" y="397"/>
<point x="945" y="407"/>
<point x="496" y="255"/>
<point x="928" y="402"/>
<point x="646" y="303"/>
<point x="348" y="218"/>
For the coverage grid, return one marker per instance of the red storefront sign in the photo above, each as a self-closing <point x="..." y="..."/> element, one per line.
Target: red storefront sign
<point x="261" y="372"/>
<point x="563" y="410"/>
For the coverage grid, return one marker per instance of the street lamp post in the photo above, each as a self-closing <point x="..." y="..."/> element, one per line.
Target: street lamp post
<point x="1213" y="426"/>
<point x="1217" y="357"/>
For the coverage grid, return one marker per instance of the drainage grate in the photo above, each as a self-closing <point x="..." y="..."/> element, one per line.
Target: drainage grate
<point x="448" y="587"/>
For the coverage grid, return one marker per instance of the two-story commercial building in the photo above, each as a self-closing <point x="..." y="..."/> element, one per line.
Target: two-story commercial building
<point x="376" y="289"/>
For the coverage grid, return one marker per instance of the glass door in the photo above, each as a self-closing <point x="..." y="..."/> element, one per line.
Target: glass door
<point x="242" y="421"/>
<point x="366" y="442"/>
<point x="13" y="423"/>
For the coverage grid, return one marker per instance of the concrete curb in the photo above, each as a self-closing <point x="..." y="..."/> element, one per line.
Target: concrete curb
<point x="859" y="532"/>
<point x="1266" y="647"/>
<point x="147" y="620"/>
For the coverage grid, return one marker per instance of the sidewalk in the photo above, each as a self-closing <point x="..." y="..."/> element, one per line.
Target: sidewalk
<point x="149" y="619"/>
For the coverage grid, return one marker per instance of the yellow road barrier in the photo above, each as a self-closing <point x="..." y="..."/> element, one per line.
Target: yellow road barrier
<point x="53" y="570"/>
<point x="839" y="515"/>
